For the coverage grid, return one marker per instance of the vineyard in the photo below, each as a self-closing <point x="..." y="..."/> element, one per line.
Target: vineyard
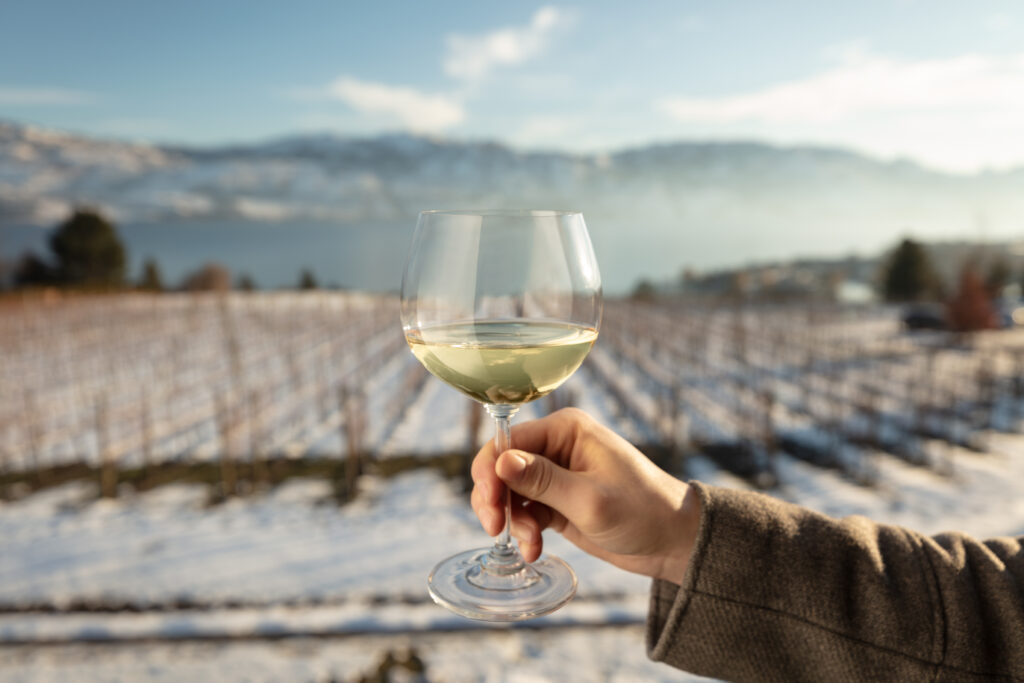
<point x="258" y="465"/>
<point x="134" y="382"/>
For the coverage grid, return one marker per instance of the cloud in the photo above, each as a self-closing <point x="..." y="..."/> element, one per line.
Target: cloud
<point x="869" y="85"/>
<point x="468" y="58"/>
<point x="473" y="57"/>
<point x="955" y="113"/>
<point x="417" y="111"/>
<point x="39" y="96"/>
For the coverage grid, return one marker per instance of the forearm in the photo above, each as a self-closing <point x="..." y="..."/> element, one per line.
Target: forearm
<point x="777" y="592"/>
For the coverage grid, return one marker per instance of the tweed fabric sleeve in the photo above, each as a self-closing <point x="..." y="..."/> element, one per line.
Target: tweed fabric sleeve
<point x="777" y="592"/>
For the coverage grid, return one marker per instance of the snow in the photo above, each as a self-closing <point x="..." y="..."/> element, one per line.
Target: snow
<point x="284" y="564"/>
<point x="281" y="621"/>
<point x="286" y="584"/>
<point x="290" y="545"/>
<point x="291" y="564"/>
<point x="614" y="654"/>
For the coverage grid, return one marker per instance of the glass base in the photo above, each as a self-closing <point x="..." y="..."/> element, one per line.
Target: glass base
<point x="470" y="585"/>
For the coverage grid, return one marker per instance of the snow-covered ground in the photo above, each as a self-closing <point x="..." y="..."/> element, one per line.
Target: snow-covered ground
<point x="283" y="564"/>
<point x="614" y="654"/>
<point x="229" y="582"/>
<point x="288" y="585"/>
<point x="290" y="545"/>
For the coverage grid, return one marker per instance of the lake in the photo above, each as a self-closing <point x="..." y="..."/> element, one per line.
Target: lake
<point x="367" y="257"/>
<point x="272" y="254"/>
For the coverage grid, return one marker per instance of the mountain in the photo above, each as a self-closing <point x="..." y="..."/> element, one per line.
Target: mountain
<point x="322" y="177"/>
<point x="700" y="204"/>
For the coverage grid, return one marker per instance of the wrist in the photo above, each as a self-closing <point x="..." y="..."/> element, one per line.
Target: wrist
<point x="681" y="535"/>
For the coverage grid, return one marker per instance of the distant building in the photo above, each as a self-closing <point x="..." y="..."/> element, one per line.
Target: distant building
<point x="839" y="281"/>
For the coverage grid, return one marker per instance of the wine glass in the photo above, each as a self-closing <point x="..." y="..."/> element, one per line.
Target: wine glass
<point x="502" y="305"/>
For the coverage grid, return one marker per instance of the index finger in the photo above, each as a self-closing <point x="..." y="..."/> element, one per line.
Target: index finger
<point x="552" y="436"/>
<point x="484" y="477"/>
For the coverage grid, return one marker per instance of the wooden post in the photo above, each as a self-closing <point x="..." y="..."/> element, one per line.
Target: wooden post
<point x="805" y="377"/>
<point x="350" y="402"/>
<point x="257" y="433"/>
<point x="108" y="472"/>
<point x="228" y="476"/>
<point x="680" y="429"/>
<point x="872" y="413"/>
<point x="768" y="430"/>
<point x="147" y="431"/>
<point x="339" y="471"/>
<point x="985" y="393"/>
<point x="323" y="389"/>
<point x="33" y="436"/>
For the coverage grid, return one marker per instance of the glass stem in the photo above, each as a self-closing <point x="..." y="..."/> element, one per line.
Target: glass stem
<point x="503" y="558"/>
<point x="503" y="442"/>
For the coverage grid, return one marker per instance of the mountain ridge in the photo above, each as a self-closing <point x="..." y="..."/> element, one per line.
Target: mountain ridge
<point x="665" y="205"/>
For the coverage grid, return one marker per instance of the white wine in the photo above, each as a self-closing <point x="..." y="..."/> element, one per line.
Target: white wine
<point x="502" y="361"/>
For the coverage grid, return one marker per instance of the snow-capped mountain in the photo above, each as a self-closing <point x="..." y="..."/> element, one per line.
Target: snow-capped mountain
<point x="317" y="177"/>
<point x="722" y="201"/>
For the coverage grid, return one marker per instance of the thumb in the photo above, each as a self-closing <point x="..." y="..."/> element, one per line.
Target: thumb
<point x="536" y="477"/>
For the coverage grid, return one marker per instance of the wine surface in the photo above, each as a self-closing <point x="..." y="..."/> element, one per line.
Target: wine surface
<point x="502" y="361"/>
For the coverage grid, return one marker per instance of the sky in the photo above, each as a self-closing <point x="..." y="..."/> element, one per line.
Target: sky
<point x="941" y="83"/>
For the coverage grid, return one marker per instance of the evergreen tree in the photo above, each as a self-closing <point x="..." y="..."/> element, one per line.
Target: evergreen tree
<point x="89" y="251"/>
<point x="909" y="275"/>
<point x="643" y="291"/>
<point x="245" y="283"/>
<point x="307" y="280"/>
<point x="32" y="271"/>
<point x="151" y="281"/>
<point x="998" y="276"/>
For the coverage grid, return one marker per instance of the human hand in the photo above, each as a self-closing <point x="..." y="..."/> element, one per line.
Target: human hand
<point x="572" y="474"/>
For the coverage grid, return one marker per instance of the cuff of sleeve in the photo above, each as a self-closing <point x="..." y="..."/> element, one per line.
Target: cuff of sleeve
<point x="758" y="599"/>
<point x="669" y="601"/>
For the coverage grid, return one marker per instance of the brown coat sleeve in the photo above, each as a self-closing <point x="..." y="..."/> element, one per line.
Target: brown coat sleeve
<point x="776" y="592"/>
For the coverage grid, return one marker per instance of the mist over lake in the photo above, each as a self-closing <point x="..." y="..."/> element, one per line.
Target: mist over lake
<point x="368" y="257"/>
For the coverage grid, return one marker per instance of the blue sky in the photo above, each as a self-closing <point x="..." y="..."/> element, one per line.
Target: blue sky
<point x="939" y="82"/>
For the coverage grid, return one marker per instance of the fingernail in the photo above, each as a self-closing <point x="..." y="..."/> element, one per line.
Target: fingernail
<point x="517" y="465"/>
